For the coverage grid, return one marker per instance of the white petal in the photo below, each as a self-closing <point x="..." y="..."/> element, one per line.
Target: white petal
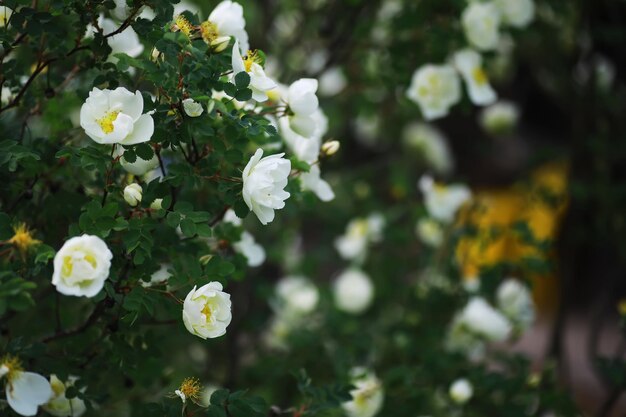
<point x="27" y="392"/>
<point x="142" y="131"/>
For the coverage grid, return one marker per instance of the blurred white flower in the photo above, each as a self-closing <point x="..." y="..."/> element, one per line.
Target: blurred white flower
<point x="332" y="82"/>
<point x="296" y="295"/>
<point x="500" y="118"/>
<point x="5" y="15"/>
<point x="469" y="64"/>
<point x="192" y="108"/>
<point x="260" y="83"/>
<point x="515" y="301"/>
<point x="250" y="249"/>
<point x="81" y="266"/>
<point x="305" y="149"/>
<point x="231" y="217"/>
<point x="115" y="116"/>
<point x="139" y="166"/>
<point x="483" y="320"/>
<point x="207" y="311"/>
<point x="303" y="103"/>
<point x="435" y="88"/>
<point x="25" y="391"/>
<point x="431" y="144"/>
<point x="313" y="182"/>
<point x="443" y="201"/>
<point x="367" y="396"/>
<point x="429" y="232"/>
<point x="126" y="42"/>
<point x="461" y="391"/>
<point x="517" y="13"/>
<point x="59" y="405"/>
<point x="133" y="194"/>
<point x="353" y="243"/>
<point x="159" y="277"/>
<point x="264" y="182"/>
<point x="481" y="23"/>
<point x="353" y="291"/>
<point x="226" y="20"/>
<point x="367" y="128"/>
<point x="6" y="95"/>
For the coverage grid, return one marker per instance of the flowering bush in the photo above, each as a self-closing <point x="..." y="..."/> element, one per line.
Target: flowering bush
<point x="239" y="209"/>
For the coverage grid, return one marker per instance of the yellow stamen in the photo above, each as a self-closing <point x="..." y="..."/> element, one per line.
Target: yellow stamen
<point x="183" y="25"/>
<point x="23" y="238"/>
<point x="191" y="388"/>
<point x="207" y="312"/>
<point x="106" y="122"/>
<point x="252" y="57"/>
<point x="621" y="307"/>
<point x="209" y="31"/>
<point x="13" y="364"/>
<point x="479" y="76"/>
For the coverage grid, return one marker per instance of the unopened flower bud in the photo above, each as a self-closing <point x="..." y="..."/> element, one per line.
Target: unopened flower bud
<point x="330" y="148"/>
<point x="132" y="194"/>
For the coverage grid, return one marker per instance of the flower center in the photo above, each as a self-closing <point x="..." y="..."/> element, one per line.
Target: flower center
<point x="207" y="312"/>
<point x="23" y="238"/>
<point x="209" y="31"/>
<point x="252" y="57"/>
<point x="10" y="366"/>
<point x="191" y="388"/>
<point x="183" y="25"/>
<point x="479" y="76"/>
<point x="106" y="122"/>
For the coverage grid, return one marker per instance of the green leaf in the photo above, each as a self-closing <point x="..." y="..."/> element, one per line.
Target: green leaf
<point x="188" y="227"/>
<point x="242" y="80"/>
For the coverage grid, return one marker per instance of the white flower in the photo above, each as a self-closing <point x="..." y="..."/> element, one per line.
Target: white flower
<point x="435" y="88"/>
<point x="469" y="64"/>
<point x="59" y="405"/>
<point x="25" y="391"/>
<point x="429" y="232"/>
<point x="353" y="291"/>
<point x="515" y="301"/>
<point x="431" y="144"/>
<point x="140" y="166"/>
<point x="367" y="396"/>
<point x="264" y="182"/>
<point x="443" y="201"/>
<point x="517" y="13"/>
<point x="133" y="194"/>
<point x="499" y="118"/>
<point x="252" y="251"/>
<point x="192" y="108"/>
<point x="206" y="311"/>
<point x="126" y="42"/>
<point x="231" y="217"/>
<point x="481" y="23"/>
<point x="461" y="391"/>
<point x="483" y="320"/>
<point x="158" y="277"/>
<point x="359" y="232"/>
<point x="81" y="266"/>
<point x="260" y="83"/>
<point x="297" y="295"/>
<point x="226" y="20"/>
<point x="114" y="116"/>
<point x="312" y="181"/>
<point x="305" y="149"/>
<point x="303" y="103"/>
<point x="332" y="82"/>
<point x="5" y="15"/>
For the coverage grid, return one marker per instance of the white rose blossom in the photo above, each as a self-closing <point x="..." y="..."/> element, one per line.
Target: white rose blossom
<point x="443" y="201"/>
<point x="250" y="249"/>
<point x="484" y="320"/>
<point x="461" y="391"/>
<point x="515" y="301"/>
<point x="225" y="20"/>
<point x="352" y="245"/>
<point x="59" y="405"/>
<point x="159" y="277"/>
<point x="430" y="232"/>
<point x="133" y="194"/>
<point x="332" y="82"/>
<point x="260" y="83"/>
<point x="82" y="266"/>
<point x="431" y="144"/>
<point x="353" y="291"/>
<point x="435" y="88"/>
<point x="25" y="391"/>
<point x="192" y="108"/>
<point x="500" y="118"/>
<point x="303" y="103"/>
<point x="5" y="15"/>
<point x="140" y="166"/>
<point x="305" y="149"/>
<point x="469" y="64"/>
<point x="126" y="42"/>
<point x="367" y="396"/>
<point x="264" y="182"/>
<point x="313" y="182"/>
<point x="296" y="295"/>
<point x="207" y="311"/>
<point x="516" y="13"/>
<point x="481" y="23"/>
<point x="115" y="116"/>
